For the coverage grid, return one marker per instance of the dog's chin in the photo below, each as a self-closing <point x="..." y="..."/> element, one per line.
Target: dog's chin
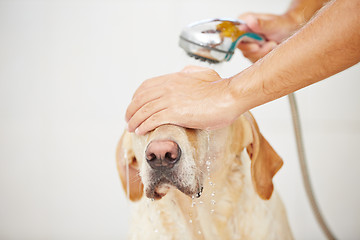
<point x="158" y="191"/>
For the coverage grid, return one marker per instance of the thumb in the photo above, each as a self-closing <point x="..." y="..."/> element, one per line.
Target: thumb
<point x="258" y="24"/>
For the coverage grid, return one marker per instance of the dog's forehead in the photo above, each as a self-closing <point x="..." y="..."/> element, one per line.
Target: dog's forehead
<point x="194" y="138"/>
<point x="180" y="135"/>
<point x="169" y="132"/>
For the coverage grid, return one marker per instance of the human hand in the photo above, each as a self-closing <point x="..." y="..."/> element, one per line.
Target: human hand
<point x="195" y="97"/>
<point x="275" y="29"/>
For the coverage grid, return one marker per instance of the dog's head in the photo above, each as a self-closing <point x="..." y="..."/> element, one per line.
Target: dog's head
<point x="172" y="156"/>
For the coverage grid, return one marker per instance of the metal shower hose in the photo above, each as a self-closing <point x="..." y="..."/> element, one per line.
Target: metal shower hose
<point x="304" y="169"/>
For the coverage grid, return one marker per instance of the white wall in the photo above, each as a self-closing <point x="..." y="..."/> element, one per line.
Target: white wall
<point x="67" y="72"/>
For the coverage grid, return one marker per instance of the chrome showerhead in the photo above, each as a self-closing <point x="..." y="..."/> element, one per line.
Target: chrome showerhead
<point x="215" y="40"/>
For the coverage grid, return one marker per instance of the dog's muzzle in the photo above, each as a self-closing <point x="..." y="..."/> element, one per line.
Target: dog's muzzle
<point x="164" y="159"/>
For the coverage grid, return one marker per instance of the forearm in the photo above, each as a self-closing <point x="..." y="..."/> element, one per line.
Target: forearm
<point x="328" y="44"/>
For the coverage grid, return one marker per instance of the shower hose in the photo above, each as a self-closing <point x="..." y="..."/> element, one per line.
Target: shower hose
<point x="304" y="170"/>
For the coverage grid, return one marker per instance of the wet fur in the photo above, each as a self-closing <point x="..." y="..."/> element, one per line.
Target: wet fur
<point x="239" y="212"/>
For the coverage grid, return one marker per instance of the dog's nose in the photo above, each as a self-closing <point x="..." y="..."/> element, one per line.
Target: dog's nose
<point x="162" y="153"/>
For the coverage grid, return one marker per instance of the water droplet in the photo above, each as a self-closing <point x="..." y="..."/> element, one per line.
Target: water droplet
<point x="198" y="194"/>
<point x="213" y="194"/>
<point x="208" y="163"/>
<point x="211" y="183"/>
<point x="127" y="174"/>
<point x="213" y="202"/>
<point x="199" y="232"/>
<point x="190" y="221"/>
<point x="201" y="202"/>
<point x="152" y="199"/>
<point x="212" y="211"/>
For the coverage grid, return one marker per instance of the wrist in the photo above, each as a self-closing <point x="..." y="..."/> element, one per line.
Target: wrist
<point x="295" y="18"/>
<point x="245" y="90"/>
<point x="300" y="12"/>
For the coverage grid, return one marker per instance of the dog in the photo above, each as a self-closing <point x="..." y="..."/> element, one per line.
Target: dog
<point x="200" y="184"/>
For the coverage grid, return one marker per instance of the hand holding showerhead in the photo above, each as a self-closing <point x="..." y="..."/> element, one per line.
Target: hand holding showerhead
<point x="275" y="28"/>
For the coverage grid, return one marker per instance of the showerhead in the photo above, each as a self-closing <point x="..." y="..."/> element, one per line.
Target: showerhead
<point x="215" y="40"/>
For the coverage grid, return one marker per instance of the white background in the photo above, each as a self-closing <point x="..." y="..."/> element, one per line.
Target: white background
<point x="68" y="70"/>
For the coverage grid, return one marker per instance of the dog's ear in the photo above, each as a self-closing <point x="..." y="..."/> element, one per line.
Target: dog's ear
<point x="265" y="162"/>
<point x="128" y="168"/>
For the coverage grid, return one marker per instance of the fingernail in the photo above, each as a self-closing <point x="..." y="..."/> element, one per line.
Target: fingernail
<point x="137" y="131"/>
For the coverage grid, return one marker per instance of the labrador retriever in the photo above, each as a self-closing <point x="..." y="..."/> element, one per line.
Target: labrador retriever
<point x="198" y="184"/>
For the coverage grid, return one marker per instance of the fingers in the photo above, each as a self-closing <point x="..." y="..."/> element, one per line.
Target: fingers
<point x="254" y="51"/>
<point x="248" y="47"/>
<point x="141" y="97"/>
<point x="252" y="22"/>
<point x="145" y="112"/>
<point x="256" y="22"/>
<point x="151" y="82"/>
<point x="154" y="121"/>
